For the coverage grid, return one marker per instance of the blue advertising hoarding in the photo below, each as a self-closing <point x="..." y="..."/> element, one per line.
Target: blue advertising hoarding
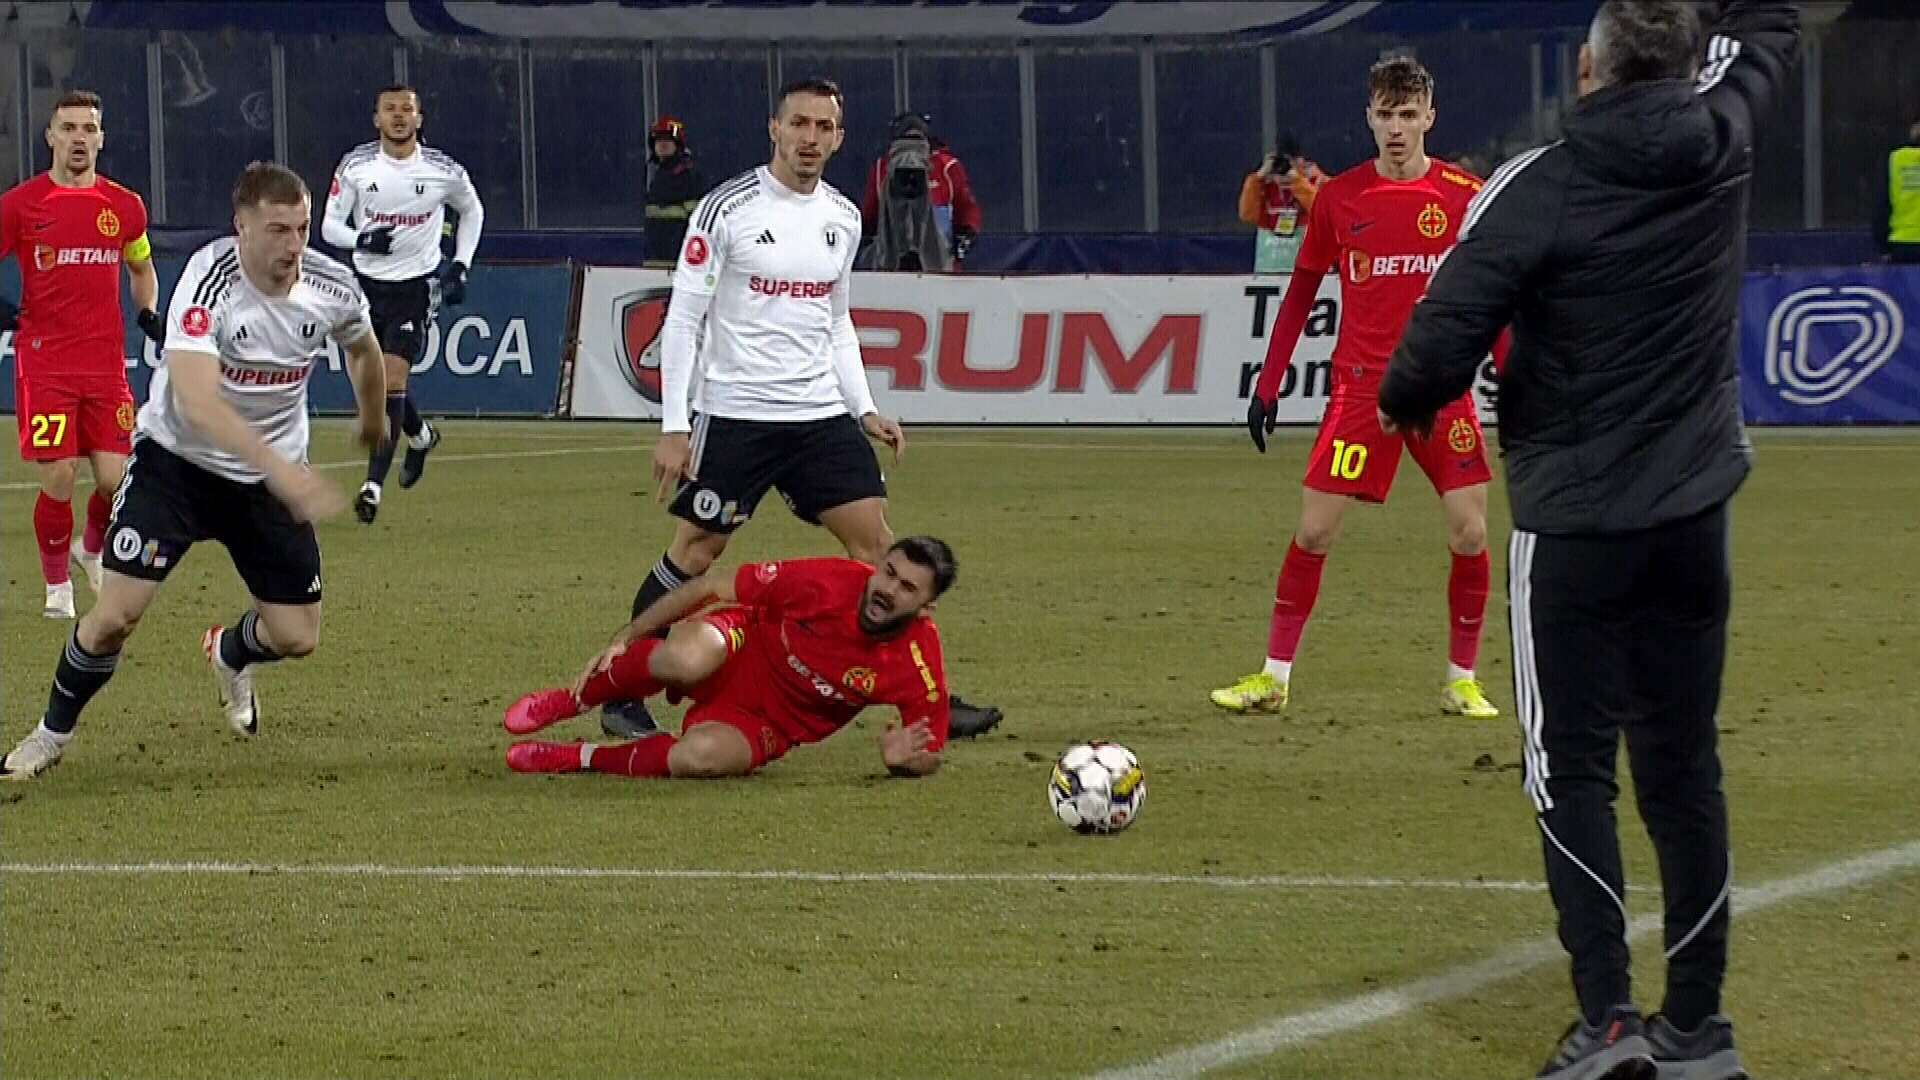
<point x="498" y="354"/>
<point x="1831" y="346"/>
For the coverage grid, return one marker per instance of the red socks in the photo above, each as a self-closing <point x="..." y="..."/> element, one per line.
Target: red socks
<point x="1293" y="597"/>
<point x="53" y="528"/>
<point x="642" y="757"/>
<point x="626" y="679"/>
<point x="94" y="540"/>
<point x="1466" y="608"/>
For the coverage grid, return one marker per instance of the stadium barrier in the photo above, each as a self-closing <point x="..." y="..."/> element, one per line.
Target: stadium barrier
<point x="1818" y="347"/>
<point x="986" y="350"/>
<point x="498" y="354"/>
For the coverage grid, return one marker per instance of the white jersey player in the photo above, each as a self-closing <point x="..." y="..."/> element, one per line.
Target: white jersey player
<point x="767" y="270"/>
<point x="220" y="453"/>
<point x="388" y="205"/>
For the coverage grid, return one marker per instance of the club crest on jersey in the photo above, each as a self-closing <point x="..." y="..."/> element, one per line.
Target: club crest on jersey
<point x="308" y="330"/>
<point x="696" y="250"/>
<point x="196" y="322"/>
<point x="860" y="680"/>
<point x="1432" y="222"/>
<point x="108" y="223"/>
<point x="1460" y="436"/>
<point x="833" y="237"/>
<point x="1359" y="266"/>
<point x="419" y="189"/>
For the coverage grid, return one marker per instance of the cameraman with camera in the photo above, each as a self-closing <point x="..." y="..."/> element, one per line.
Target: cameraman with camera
<point x="1275" y="199"/>
<point x="919" y="214"/>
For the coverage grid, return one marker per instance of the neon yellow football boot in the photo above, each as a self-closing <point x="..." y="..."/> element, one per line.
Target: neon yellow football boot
<point x="1259" y="692"/>
<point x="1464" y="697"/>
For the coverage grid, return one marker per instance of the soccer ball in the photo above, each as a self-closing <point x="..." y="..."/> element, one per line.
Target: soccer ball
<point x="1097" y="787"/>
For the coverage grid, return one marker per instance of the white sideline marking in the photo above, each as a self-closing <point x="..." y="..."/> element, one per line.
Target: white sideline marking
<point x="824" y="877"/>
<point x="1455" y="983"/>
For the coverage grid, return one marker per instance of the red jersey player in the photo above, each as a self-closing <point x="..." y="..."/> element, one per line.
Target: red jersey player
<point x="806" y="645"/>
<point x="71" y="230"/>
<point x="1384" y="226"/>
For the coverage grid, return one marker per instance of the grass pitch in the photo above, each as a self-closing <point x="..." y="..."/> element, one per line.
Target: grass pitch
<point x="820" y="920"/>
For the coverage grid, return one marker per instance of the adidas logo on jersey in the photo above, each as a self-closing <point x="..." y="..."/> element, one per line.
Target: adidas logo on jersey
<point x="765" y="237"/>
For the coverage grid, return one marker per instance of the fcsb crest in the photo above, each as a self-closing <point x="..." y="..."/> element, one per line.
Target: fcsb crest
<point x="860" y="680"/>
<point x="108" y="223"/>
<point x="124" y="415"/>
<point x="1461" y="437"/>
<point x="1432" y="222"/>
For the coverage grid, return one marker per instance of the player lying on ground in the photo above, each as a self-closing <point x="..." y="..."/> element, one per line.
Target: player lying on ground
<point x="805" y="645"/>
<point x="72" y="229"/>
<point x="1384" y="225"/>
<point x="220" y="453"/>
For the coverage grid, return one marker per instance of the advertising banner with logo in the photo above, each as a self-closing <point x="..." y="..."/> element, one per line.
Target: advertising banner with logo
<point x="498" y="354"/>
<point x="1831" y="346"/>
<point x="984" y="350"/>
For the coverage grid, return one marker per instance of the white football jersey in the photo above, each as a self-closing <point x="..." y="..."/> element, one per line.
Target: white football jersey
<point x="267" y="347"/>
<point x="770" y="258"/>
<point x="411" y="194"/>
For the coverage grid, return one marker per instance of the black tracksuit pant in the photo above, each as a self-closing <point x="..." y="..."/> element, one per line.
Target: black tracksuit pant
<point x="1616" y="633"/>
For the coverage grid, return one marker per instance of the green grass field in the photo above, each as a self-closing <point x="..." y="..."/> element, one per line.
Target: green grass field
<point x="820" y="920"/>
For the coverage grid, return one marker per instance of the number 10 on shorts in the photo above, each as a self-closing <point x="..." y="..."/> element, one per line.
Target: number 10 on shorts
<point x="1349" y="459"/>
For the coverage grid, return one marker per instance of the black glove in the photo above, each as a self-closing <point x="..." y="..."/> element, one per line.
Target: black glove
<point x="9" y="315"/>
<point x="962" y="242"/>
<point x="375" y="241"/>
<point x="1261" y="418"/>
<point x="453" y="284"/>
<point x="151" y="325"/>
<point x="970" y="721"/>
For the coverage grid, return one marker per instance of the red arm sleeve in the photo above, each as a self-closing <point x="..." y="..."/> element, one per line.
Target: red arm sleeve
<point x="1319" y="250"/>
<point x="923" y="685"/>
<point x="966" y="208"/>
<point x="1500" y="346"/>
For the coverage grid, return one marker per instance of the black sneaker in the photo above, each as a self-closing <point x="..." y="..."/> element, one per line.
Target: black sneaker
<point x="415" y="462"/>
<point x="971" y="721"/>
<point x="366" y="505"/>
<point x="1704" y="1054"/>
<point x="1616" y="1049"/>
<point x="627" y="720"/>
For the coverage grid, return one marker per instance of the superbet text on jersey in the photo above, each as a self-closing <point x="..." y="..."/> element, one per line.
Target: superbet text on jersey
<point x="1385" y="238"/>
<point x="70" y="243"/>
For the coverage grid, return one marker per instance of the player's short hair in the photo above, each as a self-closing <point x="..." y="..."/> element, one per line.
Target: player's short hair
<point x="1644" y="40"/>
<point x="75" y="99"/>
<point x="268" y="182"/>
<point x="396" y="88"/>
<point x="1396" y="80"/>
<point x="935" y="555"/>
<point x="815" y="86"/>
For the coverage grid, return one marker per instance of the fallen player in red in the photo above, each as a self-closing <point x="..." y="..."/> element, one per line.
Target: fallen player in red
<point x="801" y="647"/>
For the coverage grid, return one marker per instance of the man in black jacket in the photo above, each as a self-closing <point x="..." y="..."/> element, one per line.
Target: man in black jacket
<point x="676" y="189"/>
<point x="1616" y="254"/>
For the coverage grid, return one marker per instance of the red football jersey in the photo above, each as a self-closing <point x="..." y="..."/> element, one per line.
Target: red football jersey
<point x="70" y="243"/>
<point x="1386" y="238"/>
<point x="805" y="627"/>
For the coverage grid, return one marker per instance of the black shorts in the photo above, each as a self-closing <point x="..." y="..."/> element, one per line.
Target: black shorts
<point x="816" y="464"/>
<point x="401" y="312"/>
<point x="167" y="504"/>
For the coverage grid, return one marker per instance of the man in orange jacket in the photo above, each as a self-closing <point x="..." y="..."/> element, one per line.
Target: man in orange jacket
<point x="1275" y="201"/>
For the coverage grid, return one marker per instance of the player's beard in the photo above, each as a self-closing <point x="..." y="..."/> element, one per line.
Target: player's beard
<point x="887" y="625"/>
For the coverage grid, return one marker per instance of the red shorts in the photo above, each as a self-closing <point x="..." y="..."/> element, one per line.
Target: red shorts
<point x="70" y="417"/>
<point x="739" y="697"/>
<point x="1354" y="457"/>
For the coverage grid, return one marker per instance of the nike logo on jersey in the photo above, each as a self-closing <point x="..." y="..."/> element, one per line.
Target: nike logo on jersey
<point x="1359" y="225"/>
<point x="765" y="237"/>
<point x="42" y="226"/>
